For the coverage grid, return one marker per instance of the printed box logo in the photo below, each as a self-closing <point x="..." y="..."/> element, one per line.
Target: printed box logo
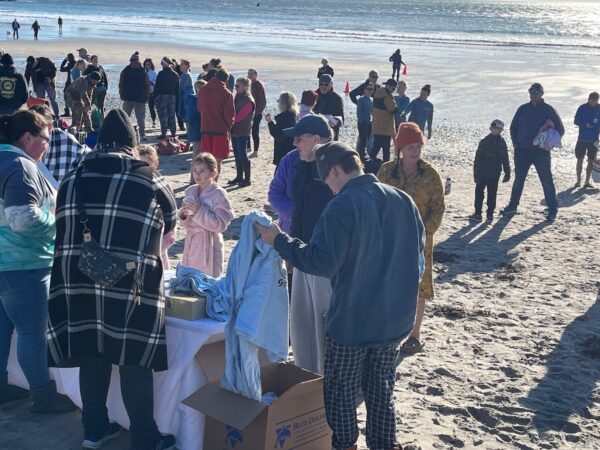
<point x="234" y="437"/>
<point x="283" y="434"/>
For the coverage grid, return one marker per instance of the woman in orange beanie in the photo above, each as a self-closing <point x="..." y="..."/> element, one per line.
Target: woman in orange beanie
<point x="419" y="179"/>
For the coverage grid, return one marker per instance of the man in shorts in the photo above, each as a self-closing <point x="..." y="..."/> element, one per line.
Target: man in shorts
<point x="587" y="119"/>
<point x="215" y="103"/>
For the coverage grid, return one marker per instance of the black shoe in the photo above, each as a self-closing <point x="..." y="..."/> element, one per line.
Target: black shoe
<point x="167" y="442"/>
<point x="508" y="211"/>
<point x="489" y="218"/>
<point x="247" y="170"/>
<point x="89" y="441"/>
<point x="475" y="218"/>
<point x="47" y="400"/>
<point x="9" y="393"/>
<point x="236" y="180"/>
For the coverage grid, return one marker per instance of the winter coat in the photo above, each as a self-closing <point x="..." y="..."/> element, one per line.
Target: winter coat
<point x="491" y="158"/>
<point x="280" y="190"/>
<point x="203" y="248"/>
<point x="215" y="103"/>
<point x="167" y="83"/>
<point x="192" y="117"/>
<point x="527" y="122"/>
<point x="282" y="144"/>
<point x="364" y="109"/>
<point x="115" y="323"/>
<point x="67" y="66"/>
<point x="13" y="90"/>
<point x="384" y="108"/>
<point x="134" y="85"/>
<point x="244" y="115"/>
<point x="325" y="70"/>
<point x="330" y="104"/>
<point x="80" y="93"/>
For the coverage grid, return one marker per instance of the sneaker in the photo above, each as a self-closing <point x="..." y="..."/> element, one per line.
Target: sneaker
<point x="475" y="218"/>
<point x="489" y="218"/>
<point x="114" y="430"/>
<point x="551" y="217"/>
<point x="508" y="211"/>
<point x="167" y="442"/>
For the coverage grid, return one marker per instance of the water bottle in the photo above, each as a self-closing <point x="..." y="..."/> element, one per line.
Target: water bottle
<point x="448" y="186"/>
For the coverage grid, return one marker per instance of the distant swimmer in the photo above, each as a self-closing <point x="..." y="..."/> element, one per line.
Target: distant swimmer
<point x="36" y="29"/>
<point x="258" y="4"/>
<point x="60" y="24"/>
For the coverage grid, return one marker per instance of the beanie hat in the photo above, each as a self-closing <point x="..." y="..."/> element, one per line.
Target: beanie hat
<point x="309" y="98"/>
<point x="408" y="133"/>
<point x="166" y="61"/>
<point x="95" y="76"/>
<point x="117" y="130"/>
<point x="135" y="57"/>
<point x="6" y="60"/>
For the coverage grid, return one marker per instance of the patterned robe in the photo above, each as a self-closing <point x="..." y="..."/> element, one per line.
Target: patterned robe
<point x="129" y="209"/>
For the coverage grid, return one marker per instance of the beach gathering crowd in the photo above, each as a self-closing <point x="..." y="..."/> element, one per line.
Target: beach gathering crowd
<point x="356" y="232"/>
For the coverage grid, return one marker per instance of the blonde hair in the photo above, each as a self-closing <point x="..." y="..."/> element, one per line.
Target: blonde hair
<point x="287" y="102"/>
<point x="198" y="84"/>
<point x="402" y="83"/>
<point x="148" y="151"/>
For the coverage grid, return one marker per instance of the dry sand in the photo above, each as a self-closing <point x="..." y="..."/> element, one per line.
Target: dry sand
<point x="512" y="354"/>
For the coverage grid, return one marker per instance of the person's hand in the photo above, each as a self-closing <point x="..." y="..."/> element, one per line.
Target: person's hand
<point x="268" y="118"/>
<point x="268" y="233"/>
<point x="190" y="208"/>
<point x="506" y="178"/>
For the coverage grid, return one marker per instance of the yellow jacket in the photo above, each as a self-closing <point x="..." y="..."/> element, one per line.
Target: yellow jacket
<point x="424" y="186"/>
<point x="384" y="108"/>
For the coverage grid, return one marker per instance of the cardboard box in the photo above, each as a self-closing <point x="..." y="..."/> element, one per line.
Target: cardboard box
<point x="186" y="307"/>
<point x="296" y="420"/>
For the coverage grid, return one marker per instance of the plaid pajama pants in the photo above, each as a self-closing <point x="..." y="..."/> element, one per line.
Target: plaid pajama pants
<point x="372" y="369"/>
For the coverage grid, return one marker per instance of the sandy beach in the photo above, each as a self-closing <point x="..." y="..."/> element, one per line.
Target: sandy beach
<point x="512" y="338"/>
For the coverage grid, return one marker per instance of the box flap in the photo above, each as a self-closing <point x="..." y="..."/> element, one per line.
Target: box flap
<point x="232" y="409"/>
<point x="294" y="381"/>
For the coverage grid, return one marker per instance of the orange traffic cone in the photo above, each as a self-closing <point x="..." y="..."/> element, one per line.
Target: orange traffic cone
<point x="404" y="70"/>
<point x="347" y="89"/>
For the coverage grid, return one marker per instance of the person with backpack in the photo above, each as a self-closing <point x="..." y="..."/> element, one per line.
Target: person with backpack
<point x="13" y="91"/>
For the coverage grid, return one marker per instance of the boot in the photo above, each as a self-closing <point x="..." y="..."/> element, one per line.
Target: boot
<point x="8" y="393"/>
<point x="47" y="400"/>
<point x="246" y="180"/>
<point x="238" y="179"/>
<point x="67" y="113"/>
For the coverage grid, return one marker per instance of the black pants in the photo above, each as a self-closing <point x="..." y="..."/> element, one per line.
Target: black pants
<point x="138" y="396"/>
<point x="152" y="108"/>
<point x="364" y="132"/>
<point x="381" y="142"/>
<point x="256" y="132"/>
<point x="492" y="189"/>
<point x="396" y="72"/>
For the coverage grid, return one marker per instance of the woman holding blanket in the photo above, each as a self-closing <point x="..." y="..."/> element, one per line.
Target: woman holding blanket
<point x="419" y="179"/>
<point x="240" y="132"/>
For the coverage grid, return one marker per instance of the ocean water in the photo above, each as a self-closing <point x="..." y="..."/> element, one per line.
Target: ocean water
<point x="373" y="26"/>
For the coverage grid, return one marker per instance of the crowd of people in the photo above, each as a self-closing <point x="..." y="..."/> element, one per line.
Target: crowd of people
<point x="356" y="232"/>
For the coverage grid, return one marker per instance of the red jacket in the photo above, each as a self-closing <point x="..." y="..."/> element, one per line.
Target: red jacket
<point x="215" y="103"/>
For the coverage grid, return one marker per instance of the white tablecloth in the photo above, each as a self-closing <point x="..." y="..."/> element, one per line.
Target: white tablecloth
<point x="184" y="377"/>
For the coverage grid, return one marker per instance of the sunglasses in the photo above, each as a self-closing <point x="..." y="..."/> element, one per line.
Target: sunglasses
<point x="535" y="92"/>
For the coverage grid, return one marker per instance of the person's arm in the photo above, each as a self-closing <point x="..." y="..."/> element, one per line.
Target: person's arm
<point x="122" y="84"/>
<point x="436" y="207"/>
<point x="327" y="250"/>
<point x="356" y="92"/>
<point x="22" y="212"/>
<point x="429" y="123"/>
<point x="558" y="125"/>
<point x="409" y="108"/>
<point x="215" y="219"/>
<point x="505" y="162"/>
<point x="64" y="66"/>
<point x="578" y="117"/>
<point x="390" y="104"/>
<point x="260" y="99"/>
<point x="229" y="111"/>
<point x="105" y="78"/>
<point x="477" y="162"/>
<point x="332" y="73"/>
<point x="514" y="128"/>
<point x="275" y="129"/>
<point x="278" y="197"/>
<point x="166" y="201"/>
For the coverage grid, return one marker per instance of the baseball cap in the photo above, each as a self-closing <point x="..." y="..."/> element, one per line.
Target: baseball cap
<point x="315" y="125"/>
<point x="82" y="50"/>
<point x="328" y="155"/>
<point x="325" y="78"/>
<point x="497" y="123"/>
<point x="536" y="89"/>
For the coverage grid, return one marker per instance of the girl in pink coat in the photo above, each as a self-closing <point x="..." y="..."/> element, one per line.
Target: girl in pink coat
<point x="205" y="214"/>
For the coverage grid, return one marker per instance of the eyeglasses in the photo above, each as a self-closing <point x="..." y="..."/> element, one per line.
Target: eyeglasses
<point x="45" y="138"/>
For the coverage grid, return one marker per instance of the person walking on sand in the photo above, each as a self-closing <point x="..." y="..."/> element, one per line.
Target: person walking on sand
<point x="325" y="69"/>
<point x="419" y="179"/>
<point x="260" y="97"/>
<point x="384" y="108"/>
<point x="524" y="128"/>
<point x="396" y="60"/>
<point x="587" y="119"/>
<point x="60" y="24"/>
<point x="375" y="284"/>
<point x="134" y="90"/>
<point x="15" y="27"/>
<point x="421" y="110"/>
<point x="491" y="158"/>
<point x="330" y="105"/>
<point x="36" y="29"/>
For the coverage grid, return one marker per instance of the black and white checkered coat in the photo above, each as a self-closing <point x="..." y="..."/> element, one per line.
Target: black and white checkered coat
<point x="64" y="153"/>
<point x="129" y="209"/>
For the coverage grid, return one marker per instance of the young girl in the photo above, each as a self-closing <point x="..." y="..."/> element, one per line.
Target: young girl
<point x="205" y="214"/>
<point x="147" y="153"/>
<point x="240" y="132"/>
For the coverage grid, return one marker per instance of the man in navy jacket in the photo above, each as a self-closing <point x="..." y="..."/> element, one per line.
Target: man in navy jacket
<point x="524" y="128"/>
<point x="369" y="242"/>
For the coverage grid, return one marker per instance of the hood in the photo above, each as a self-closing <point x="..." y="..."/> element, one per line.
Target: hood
<point x="111" y="162"/>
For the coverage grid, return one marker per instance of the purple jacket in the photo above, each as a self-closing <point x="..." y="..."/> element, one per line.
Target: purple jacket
<point x="280" y="190"/>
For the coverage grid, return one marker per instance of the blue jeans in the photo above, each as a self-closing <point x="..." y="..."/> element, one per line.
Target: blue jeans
<point x="24" y="307"/>
<point x="240" y="143"/>
<point x="541" y="160"/>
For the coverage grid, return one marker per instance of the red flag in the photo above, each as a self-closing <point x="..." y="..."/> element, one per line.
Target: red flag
<point x="404" y="70"/>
